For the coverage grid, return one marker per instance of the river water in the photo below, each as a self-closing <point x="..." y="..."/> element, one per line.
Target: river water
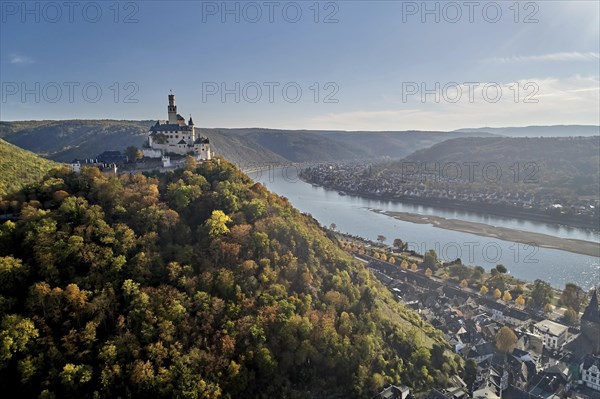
<point x="354" y="215"/>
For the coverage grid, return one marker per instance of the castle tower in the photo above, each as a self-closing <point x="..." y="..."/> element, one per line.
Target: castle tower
<point x="172" y="110"/>
<point x="590" y="323"/>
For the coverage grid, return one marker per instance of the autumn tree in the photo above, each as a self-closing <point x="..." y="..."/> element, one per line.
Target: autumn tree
<point x="464" y="283"/>
<point x="520" y="301"/>
<point x="483" y="290"/>
<point x="505" y="340"/>
<point x="572" y="296"/>
<point x="190" y="164"/>
<point x="428" y="272"/>
<point x="497" y="293"/>
<point x="570" y="316"/>
<point x="404" y="264"/>
<point x="217" y="224"/>
<point x="507" y="297"/>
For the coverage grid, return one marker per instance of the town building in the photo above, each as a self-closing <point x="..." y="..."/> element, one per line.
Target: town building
<point x="393" y="392"/>
<point x="588" y="341"/>
<point x="175" y="136"/>
<point x="590" y="372"/>
<point x="554" y="335"/>
<point x="590" y="324"/>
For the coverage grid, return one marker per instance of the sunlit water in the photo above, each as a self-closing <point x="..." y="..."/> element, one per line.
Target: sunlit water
<point x="353" y="215"/>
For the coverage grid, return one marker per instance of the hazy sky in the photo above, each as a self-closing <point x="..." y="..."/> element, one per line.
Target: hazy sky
<point x="360" y="65"/>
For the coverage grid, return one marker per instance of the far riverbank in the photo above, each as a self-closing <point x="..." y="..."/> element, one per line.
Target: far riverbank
<point x="478" y="208"/>
<point x="589" y="248"/>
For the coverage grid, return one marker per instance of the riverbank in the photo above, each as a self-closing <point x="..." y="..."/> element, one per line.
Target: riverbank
<point x="478" y="208"/>
<point x="589" y="248"/>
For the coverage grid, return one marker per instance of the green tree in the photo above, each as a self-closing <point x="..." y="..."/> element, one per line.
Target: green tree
<point x="400" y="245"/>
<point x="16" y="333"/>
<point x="501" y="269"/>
<point x="430" y="260"/>
<point x="541" y="295"/>
<point x="133" y="153"/>
<point x="470" y="373"/>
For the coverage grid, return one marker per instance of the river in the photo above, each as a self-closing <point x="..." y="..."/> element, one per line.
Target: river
<point x="354" y="215"/>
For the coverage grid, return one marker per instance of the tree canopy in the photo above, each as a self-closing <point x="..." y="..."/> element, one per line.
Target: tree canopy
<point x="193" y="284"/>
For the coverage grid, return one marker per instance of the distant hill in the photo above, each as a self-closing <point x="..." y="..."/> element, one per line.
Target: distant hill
<point x="569" y="166"/>
<point x="19" y="168"/>
<point x="539" y="131"/>
<point x="66" y="140"/>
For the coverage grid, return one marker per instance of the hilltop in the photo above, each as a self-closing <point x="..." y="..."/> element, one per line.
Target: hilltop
<point x="197" y="283"/>
<point x="19" y="168"/>
<point x="539" y="131"/>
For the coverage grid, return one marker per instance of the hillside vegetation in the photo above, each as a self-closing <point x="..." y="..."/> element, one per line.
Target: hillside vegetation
<point x="66" y="140"/>
<point x="198" y="283"/>
<point x="19" y="168"/>
<point x="566" y="167"/>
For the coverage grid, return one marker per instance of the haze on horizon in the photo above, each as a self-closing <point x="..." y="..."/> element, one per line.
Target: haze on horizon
<point x="359" y="65"/>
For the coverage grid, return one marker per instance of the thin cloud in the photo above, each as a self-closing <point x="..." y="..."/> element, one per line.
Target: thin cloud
<point x="552" y="57"/>
<point x="573" y="100"/>
<point x="18" y="59"/>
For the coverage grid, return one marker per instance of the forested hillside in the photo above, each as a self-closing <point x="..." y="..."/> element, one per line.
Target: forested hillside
<point x="561" y="166"/>
<point x="19" y="167"/>
<point x="197" y="283"/>
<point x="66" y="140"/>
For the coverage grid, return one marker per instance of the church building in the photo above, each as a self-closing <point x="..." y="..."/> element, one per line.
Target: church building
<point x="174" y="136"/>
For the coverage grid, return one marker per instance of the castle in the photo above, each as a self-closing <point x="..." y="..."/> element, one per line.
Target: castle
<point x="176" y="137"/>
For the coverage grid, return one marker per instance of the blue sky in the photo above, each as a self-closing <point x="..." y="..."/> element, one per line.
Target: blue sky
<point x="360" y="65"/>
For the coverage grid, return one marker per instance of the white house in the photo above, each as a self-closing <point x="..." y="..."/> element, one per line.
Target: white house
<point x="554" y="335"/>
<point x="590" y="372"/>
